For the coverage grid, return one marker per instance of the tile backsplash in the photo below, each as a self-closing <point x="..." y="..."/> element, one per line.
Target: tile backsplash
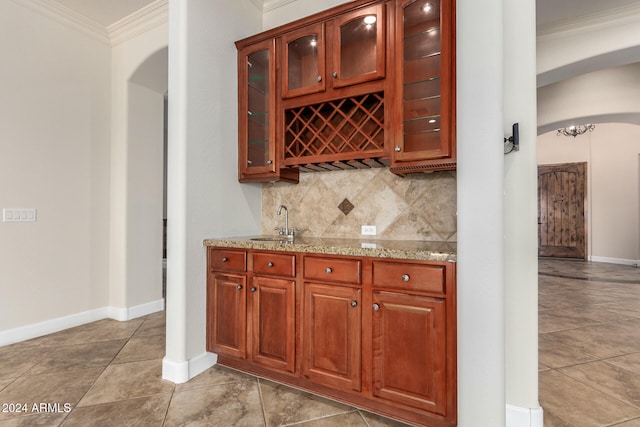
<point x="338" y="203"/>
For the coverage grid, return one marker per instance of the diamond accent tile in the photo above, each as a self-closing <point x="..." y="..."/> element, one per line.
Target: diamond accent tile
<point x="346" y="206"/>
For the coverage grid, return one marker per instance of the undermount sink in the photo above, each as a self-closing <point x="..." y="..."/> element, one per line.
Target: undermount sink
<point x="272" y="239"/>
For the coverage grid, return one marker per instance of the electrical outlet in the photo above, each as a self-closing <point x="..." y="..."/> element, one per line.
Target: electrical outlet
<point x="368" y="230"/>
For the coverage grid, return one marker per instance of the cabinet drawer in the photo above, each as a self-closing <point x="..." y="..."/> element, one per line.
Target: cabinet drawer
<point x="333" y="269"/>
<point x="408" y="276"/>
<point x="276" y="264"/>
<point x="227" y="260"/>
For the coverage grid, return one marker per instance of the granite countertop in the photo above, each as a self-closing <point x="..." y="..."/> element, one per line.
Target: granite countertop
<point x="398" y="249"/>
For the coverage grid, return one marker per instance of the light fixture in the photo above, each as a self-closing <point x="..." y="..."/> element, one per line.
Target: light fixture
<point x="314" y="42"/>
<point x="576" y="130"/>
<point x="426" y="8"/>
<point x="370" y="19"/>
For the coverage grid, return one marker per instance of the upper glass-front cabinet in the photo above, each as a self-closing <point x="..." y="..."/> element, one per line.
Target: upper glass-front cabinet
<point x="257" y="107"/>
<point x="303" y="61"/>
<point x="359" y="46"/>
<point x="424" y="67"/>
<point x="356" y="53"/>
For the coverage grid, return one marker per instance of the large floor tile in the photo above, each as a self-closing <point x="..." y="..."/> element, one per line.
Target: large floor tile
<point x="144" y="411"/>
<point x="374" y="420"/>
<point x="142" y="348"/>
<point x="284" y="405"/>
<point x="79" y="356"/>
<point x="102" y="330"/>
<point x="34" y="420"/>
<point x="631" y="423"/>
<point x="560" y="320"/>
<point x="234" y="404"/>
<point x="350" y="419"/>
<point x="553" y="354"/>
<point x="154" y="324"/>
<point x="128" y="381"/>
<point x="580" y="405"/>
<point x="612" y="380"/>
<point x="607" y="340"/>
<point x="216" y="375"/>
<point x="630" y="362"/>
<point x="65" y="387"/>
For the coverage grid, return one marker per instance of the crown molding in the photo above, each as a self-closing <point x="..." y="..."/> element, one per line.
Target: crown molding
<point x="68" y="17"/>
<point x="269" y="5"/>
<point x="592" y="22"/>
<point x="259" y="4"/>
<point x="139" y="22"/>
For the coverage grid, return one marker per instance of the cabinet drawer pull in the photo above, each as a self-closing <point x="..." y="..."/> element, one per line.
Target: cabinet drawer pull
<point x="253" y="289"/>
<point x="269" y="264"/>
<point x="405" y="277"/>
<point x="398" y="149"/>
<point x="239" y="287"/>
<point x="354" y="303"/>
<point x="376" y="307"/>
<point x="225" y="259"/>
<point x="319" y="78"/>
<point x="328" y="270"/>
<point x="269" y="162"/>
<point x="335" y="74"/>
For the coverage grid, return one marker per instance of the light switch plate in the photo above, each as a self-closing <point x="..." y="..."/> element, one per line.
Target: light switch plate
<point x="19" y="215"/>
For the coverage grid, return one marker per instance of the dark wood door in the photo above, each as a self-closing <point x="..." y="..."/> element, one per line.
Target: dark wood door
<point x="332" y="331"/>
<point x="273" y="310"/>
<point x="561" y="210"/>
<point x="409" y="350"/>
<point x="227" y="308"/>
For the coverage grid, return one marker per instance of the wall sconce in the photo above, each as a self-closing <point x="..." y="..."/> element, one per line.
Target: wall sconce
<point x="576" y="130"/>
<point x="513" y="142"/>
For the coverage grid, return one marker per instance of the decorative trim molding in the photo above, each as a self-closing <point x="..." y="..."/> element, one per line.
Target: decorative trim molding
<point x="46" y="327"/>
<point x="139" y="22"/>
<point x="524" y="417"/>
<point x="128" y="313"/>
<point x="631" y="262"/>
<point x="67" y="17"/>
<point x="269" y="5"/>
<point x="181" y="372"/>
<point x="590" y="23"/>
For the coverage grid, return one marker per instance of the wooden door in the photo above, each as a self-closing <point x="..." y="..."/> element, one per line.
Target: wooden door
<point x="332" y="345"/>
<point x="561" y="210"/>
<point x="410" y="350"/>
<point x="273" y="309"/>
<point x="227" y="308"/>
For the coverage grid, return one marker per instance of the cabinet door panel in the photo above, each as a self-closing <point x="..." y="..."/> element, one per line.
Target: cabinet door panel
<point x="303" y="61"/>
<point x="273" y="310"/>
<point x="226" y="301"/>
<point x="409" y="350"/>
<point x="332" y="349"/>
<point x="359" y="46"/>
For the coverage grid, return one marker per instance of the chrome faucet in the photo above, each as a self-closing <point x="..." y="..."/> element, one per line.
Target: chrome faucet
<point x="286" y="220"/>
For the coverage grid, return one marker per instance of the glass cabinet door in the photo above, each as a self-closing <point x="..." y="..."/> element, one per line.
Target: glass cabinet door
<point x="303" y="61"/>
<point x="425" y="81"/>
<point x="257" y="109"/>
<point x="359" y="46"/>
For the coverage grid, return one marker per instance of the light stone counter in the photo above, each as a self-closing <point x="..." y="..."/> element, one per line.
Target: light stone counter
<point x="398" y="249"/>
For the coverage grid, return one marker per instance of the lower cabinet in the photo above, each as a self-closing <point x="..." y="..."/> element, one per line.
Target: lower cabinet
<point x="379" y="334"/>
<point x="408" y="337"/>
<point x="273" y="309"/>
<point x="332" y="336"/>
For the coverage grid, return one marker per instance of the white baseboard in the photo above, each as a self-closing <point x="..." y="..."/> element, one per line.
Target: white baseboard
<point x="134" y="312"/>
<point x="181" y="372"/>
<point x="524" y="417"/>
<point x="46" y="327"/>
<point x="633" y="262"/>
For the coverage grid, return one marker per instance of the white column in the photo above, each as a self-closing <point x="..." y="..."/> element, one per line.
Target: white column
<point x="520" y="217"/>
<point x="481" y="376"/>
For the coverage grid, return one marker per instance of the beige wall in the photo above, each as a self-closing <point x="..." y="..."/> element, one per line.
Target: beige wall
<point x="54" y="119"/>
<point x="613" y="207"/>
<point x="418" y="207"/>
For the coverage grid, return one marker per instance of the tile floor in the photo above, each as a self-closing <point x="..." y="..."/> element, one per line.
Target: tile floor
<point x="108" y="373"/>
<point x="589" y="338"/>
